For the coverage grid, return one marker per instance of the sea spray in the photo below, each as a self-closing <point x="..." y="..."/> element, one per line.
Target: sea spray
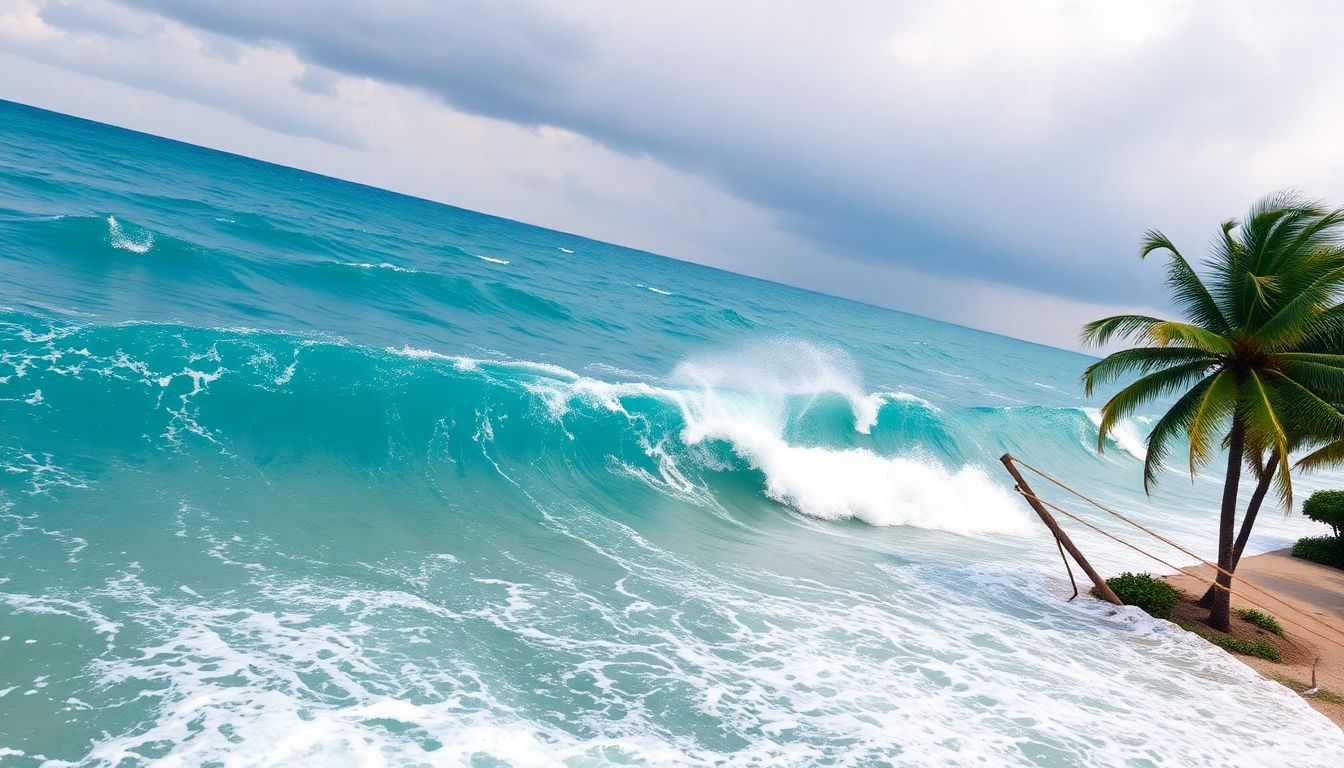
<point x="749" y="397"/>
<point x="135" y="242"/>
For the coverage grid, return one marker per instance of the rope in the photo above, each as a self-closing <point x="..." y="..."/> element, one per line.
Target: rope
<point x="1180" y="548"/>
<point x="1067" y="567"/>
<point x="1240" y="595"/>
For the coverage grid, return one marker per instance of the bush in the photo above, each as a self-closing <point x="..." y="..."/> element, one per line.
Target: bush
<point x="1327" y="507"/>
<point x="1261" y="620"/>
<point x="1326" y="550"/>
<point x="1144" y="590"/>
<point x="1257" y="648"/>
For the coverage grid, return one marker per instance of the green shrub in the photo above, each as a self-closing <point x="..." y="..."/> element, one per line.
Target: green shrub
<point x="1261" y="620"/>
<point x="1326" y="550"/>
<point x="1144" y="590"/>
<point x="1327" y="507"/>
<point x="1257" y="648"/>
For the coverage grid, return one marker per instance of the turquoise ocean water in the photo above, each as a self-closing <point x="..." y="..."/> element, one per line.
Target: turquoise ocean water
<point x="300" y="472"/>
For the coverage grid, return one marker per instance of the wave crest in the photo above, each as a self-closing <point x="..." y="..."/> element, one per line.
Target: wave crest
<point x="789" y="419"/>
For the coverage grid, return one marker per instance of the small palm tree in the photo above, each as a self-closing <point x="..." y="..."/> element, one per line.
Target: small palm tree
<point x="1255" y="367"/>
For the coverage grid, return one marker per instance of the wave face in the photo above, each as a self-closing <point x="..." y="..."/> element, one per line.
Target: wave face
<point x="296" y="472"/>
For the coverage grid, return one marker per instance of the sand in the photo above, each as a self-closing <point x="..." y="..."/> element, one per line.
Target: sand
<point x="1317" y="589"/>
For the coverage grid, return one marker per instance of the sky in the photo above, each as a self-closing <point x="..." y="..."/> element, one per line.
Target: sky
<point x="992" y="164"/>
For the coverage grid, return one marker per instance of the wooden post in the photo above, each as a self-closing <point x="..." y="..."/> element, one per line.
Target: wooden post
<point x="1063" y="538"/>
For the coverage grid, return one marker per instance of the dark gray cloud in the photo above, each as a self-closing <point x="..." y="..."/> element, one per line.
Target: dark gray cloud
<point x="80" y="18"/>
<point x="121" y="44"/>
<point x="970" y="139"/>
<point x="841" y="161"/>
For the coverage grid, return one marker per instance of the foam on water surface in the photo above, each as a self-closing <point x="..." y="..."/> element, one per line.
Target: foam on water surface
<point x="287" y="479"/>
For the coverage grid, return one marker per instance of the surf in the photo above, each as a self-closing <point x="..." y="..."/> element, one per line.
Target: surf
<point x="792" y="415"/>
<point x="266" y="499"/>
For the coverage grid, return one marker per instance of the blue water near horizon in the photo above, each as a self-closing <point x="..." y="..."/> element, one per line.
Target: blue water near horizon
<point x="302" y="472"/>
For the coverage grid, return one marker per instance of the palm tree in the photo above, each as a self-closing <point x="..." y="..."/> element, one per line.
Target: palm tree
<point x="1255" y="365"/>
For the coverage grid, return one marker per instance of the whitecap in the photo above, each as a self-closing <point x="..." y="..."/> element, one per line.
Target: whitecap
<point x="1125" y="433"/>
<point x="121" y="239"/>
<point x="381" y="265"/>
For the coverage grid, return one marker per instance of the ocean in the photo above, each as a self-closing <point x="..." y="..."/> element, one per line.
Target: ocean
<point x="302" y="472"/>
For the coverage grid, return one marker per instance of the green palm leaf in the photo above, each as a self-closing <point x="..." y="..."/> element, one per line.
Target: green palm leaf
<point x="1141" y="360"/>
<point x="1262" y="414"/>
<point x="1099" y="332"/>
<point x="1188" y="291"/>
<point x="1295" y="319"/>
<point x="1306" y="411"/>
<point x="1145" y="390"/>
<point x="1326" y="456"/>
<point x="1170" y="427"/>
<point x="1188" y="335"/>
<point x="1325" y="381"/>
<point x="1212" y="411"/>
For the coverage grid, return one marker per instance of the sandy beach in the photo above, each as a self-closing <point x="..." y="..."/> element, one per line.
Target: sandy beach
<point x="1316" y="589"/>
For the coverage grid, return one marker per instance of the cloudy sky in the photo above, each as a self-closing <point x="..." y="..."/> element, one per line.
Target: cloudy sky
<point x="992" y="164"/>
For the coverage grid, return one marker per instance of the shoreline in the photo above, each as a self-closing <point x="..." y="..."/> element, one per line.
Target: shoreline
<point x="1319" y="590"/>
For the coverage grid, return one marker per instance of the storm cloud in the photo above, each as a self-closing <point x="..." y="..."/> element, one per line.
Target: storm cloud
<point x="1026" y="144"/>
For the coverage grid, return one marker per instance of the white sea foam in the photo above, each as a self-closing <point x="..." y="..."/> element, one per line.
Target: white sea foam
<point x="565" y="250"/>
<point x="743" y="398"/>
<point x="43" y="474"/>
<point x="490" y="259"/>
<point x="461" y="363"/>
<point x="76" y="609"/>
<point x="791" y="668"/>
<point x="381" y="265"/>
<point x="124" y="240"/>
<point x="842" y="483"/>
<point x="651" y="289"/>
<point x="773" y="658"/>
<point x="763" y="374"/>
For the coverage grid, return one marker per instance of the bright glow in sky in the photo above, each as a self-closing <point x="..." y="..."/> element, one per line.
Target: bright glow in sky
<point x="992" y="164"/>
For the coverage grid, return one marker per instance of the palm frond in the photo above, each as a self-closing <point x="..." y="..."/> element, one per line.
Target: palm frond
<point x="1309" y="415"/>
<point x="1320" y="358"/>
<point x="1169" y="428"/>
<point x="1265" y="424"/>
<point x="1141" y="360"/>
<point x="1294" y="320"/>
<point x="1325" y="456"/>
<point x="1210" y="414"/>
<point x="1099" y="332"/>
<point x="1187" y="335"/>
<point x="1327" y="332"/>
<point x="1145" y="390"/>
<point x="1189" y="292"/>
<point x="1323" y="380"/>
<point x="1325" y="232"/>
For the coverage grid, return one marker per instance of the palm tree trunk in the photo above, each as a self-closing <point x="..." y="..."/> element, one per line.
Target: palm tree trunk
<point x="1248" y="522"/>
<point x="1220" y="617"/>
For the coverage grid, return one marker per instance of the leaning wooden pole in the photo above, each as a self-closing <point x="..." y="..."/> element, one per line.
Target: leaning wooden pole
<point x="1103" y="589"/>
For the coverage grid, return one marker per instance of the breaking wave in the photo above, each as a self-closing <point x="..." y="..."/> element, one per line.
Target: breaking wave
<point x="790" y="419"/>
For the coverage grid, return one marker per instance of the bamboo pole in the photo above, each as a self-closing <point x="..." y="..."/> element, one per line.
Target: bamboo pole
<point x="1063" y="538"/>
